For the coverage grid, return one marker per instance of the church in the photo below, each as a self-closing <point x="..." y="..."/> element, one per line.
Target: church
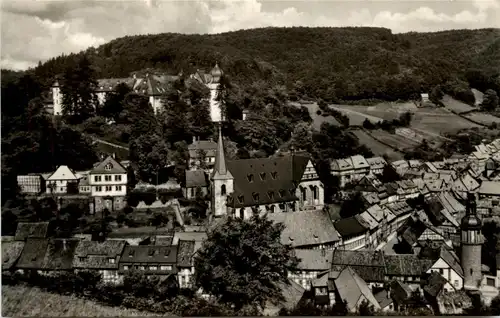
<point x="245" y="187"/>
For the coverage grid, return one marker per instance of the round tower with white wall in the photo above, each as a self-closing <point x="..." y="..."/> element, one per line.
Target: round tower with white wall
<point x="215" y="109"/>
<point x="57" y="98"/>
<point x="471" y="242"/>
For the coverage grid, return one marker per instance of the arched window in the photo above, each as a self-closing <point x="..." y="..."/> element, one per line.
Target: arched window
<point x="315" y="192"/>
<point x="242" y="213"/>
<point x="272" y="208"/>
<point x="304" y="194"/>
<point x="471" y="271"/>
<point x="223" y="189"/>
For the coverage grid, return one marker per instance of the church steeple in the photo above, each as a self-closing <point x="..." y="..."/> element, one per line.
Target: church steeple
<point x="220" y="169"/>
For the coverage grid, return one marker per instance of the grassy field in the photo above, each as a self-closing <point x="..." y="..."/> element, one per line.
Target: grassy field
<point x="439" y="121"/>
<point x="483" y="118"/>
<point x="395" y="141"/>
<point x="317" y="119"/>
<point x="455" y="105"/>
<point x="376" y="147"/>
<point x="22" y="301"/>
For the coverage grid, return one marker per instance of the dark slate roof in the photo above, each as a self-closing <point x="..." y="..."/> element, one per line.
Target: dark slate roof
<point x="305" y="228"/>
<point x="96" y="255"/>
<point x="60" y="253"/>
<point x="452" y="260"/>
<point x="369" y="265"/>
<point x="383" y="298"/>
<point x="116" y="167"/>
<point x="406" y="265"/>
<point x="11" y="251"/>
<point x="185" y="251"/>
<point x="274" y="180"/>
<point x="33" y="254"/>
<point x="434" y="284"/>
<point x="350" y="227"/>
<point x="31" y="230"/>
<point x="149" y="254"/>
<point x="412" y="230"/>
<point x="196" y="178"/>
<point x="314" y="260"/>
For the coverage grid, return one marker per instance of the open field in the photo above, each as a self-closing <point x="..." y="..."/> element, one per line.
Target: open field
<point x="395" y="141"/>
<point x="455" y="105"/>
<point x="376" y="147"/>
<point x="356" y="118"/>
<point x="439" y="121"/>
<point x="482" y="118"/>
<point x="381" y="111"/>
<point x="317" y="119"/>
<point x="23" y="301"/>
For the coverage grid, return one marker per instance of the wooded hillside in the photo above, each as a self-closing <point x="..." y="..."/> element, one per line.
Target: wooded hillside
<point x="330" y="63"/>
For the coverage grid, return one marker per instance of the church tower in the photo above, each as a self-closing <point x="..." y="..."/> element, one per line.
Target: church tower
<point x="213" y="84"/>
<point x="471" y="241"/>
<point x="222" y="181"/>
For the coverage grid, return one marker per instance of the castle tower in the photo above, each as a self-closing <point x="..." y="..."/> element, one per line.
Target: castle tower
<point x="222" y="181"/>
<point x="215" y="110"/>
<point x="471" y="241"/>
<point x="57" y="98"/>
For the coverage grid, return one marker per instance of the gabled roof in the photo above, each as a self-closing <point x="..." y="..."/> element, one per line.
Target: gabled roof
<point x="196" y="178"/>
<point x="292" y="294"/>
<point x="489" y="188"/>
<point x="314" y="260"/>
<point x="266" y="180"/>
<point x="108" y="166"/>
<point x="452" y="260"/>
<point x="62" y="173"/>
<point x="33" y="254"/>
<point x="352" y="288"/>
<point x="383" y="297"/>
<point x="368" y="264"/>
<point x="406" y="265"/>
<point x="351" y="227"/>
<point x="305" y="228"/>
<point x="11" y="251"/>
<point x="31" y="230"/>
<point x="96" y="255"/>
<point x="377" y="162"/>
<point x="149" y="254"/>
<point x="208" y="146"/>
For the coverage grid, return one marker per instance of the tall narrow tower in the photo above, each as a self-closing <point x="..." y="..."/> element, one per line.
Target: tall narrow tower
<point x="222" y="181"/>
<point x="216" y="113"/>
<point x="471" y="241"/>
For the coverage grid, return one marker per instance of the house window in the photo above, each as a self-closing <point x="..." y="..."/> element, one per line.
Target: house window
<point x="109" y="166"/>
<point x="111" y="260"/>
<point x="455" y="283"/>
<point x="125" y="267"/>
<point x="240" y="198"/>
<point x="142" y="268"/>
<point x="192" y="192"/>
<point x="255" y="196"/>
<point x="109" y="188"/>
<point x="281" y="193"/>
<point x="81" y="259"/>
<point x="242" y="213"/>
<point x="272" y="208"/>
<point x="107" y="178"/>
<point x="223" y="189"/>
<point x="270" y="194"/>
<point x="97" y="178"/>
<point x="153" y="268"/>
<point x="441" y="271"/>
<point x="166" y="267"/>
<point x="118" y="178"/>
<point x="304" y="198"/>
<point x="315" y="193"/>
<point x="98" y="189"/>
<point x="118" y="188"/>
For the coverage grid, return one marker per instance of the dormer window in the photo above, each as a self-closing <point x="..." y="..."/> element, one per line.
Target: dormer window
<point x="240" y="198"/>
<point x="151" y="252"/>
<point x="250" y="178"/>
<point x="109" y="166"/>
<point x="292" y="192"/>
<point x="131" y="253"/>
<point x="255" y="196"/>
<point x="281" y="193"/>
<point x="274" y="175"/>
<point x="263" y="176"/>
<point x="167" y="252"/>
<point x="270" y="194"/>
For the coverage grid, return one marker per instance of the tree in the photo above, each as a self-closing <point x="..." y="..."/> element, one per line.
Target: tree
<point x="201" y="123"/>
<point x="495" y="306"/>
<point x="365" y="309"/>
<point x="78" y="86"/>
<point x="150" y="153"/>
<point x="352" y="206"/>
<point x="114" y="103"/>
<point x="174" y="120"/>
<point x="139" y="114"/>
<point x="222" y="94"/>
<point x="436" y="95"/>
<point x="243" y="260"/>
<point x="490" y="101"/>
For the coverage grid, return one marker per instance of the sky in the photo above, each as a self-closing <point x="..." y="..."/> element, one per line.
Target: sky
<point x="34" y="30"/>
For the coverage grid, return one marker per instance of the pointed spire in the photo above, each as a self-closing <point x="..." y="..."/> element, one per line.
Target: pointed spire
<point x="220" y="168"/>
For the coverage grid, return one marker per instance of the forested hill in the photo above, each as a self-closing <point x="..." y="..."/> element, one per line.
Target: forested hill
<point x="349" y="63"/>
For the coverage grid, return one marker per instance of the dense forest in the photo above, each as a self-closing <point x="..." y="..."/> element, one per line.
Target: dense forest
<point x="346" y="64"/>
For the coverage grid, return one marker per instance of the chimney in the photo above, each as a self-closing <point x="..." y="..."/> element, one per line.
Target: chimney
<point x="114" y="155"/>
<point x="194" y="139"/>
<point x="64" y="245"/>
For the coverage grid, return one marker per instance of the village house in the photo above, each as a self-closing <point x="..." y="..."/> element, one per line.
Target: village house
<point x="489" y="190"/>
<point x="312" y="263"/>
<point x="349" y="169"/>
<point x="354" y="232"/>
<point x="185" y="263"/>
<point x="27" y="230"/>
<point x="307" y="229"/>
<point x="463" y="185"/>
<point x="448" y="266"/>
<point x="108" y="182"/>
<point x="102" y="257"/>
<point x="149" y="259"/>
<point x="32" y="183"/>
<point x="62" y="181"/>
<point x="368" y="264"/>
<point x="195" y="184"/>
<point x="406" y="268"/>
<point x="202" y="150"/>
<point x="377" y="165"/>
